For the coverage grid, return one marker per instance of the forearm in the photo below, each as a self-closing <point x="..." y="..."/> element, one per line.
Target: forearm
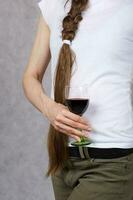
<point x="36" y="94"/>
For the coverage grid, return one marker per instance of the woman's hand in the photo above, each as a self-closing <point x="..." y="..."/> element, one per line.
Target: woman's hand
<point x="65" y="121"/>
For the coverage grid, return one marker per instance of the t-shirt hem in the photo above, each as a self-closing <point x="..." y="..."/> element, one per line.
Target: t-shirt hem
<point x="108" y="145"/>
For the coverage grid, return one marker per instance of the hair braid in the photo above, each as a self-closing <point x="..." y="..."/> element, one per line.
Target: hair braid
<point x="57" y="142"/>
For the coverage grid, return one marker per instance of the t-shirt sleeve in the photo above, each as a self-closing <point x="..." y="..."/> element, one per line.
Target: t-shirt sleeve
<point x="44" y="7"/>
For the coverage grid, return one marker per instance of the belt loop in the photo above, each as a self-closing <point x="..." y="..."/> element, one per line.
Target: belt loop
<point x="81" y="151"/>
<point x="86" y="153"/>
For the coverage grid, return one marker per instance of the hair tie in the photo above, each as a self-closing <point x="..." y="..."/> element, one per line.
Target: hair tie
<point x="66" y="42"/>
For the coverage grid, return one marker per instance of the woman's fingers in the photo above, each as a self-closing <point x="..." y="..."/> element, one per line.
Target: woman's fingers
<point x="69" y="130"/>
<point x="74" y="124"/>
<point x="73" y="136"/>
<point x="74" y="117"/>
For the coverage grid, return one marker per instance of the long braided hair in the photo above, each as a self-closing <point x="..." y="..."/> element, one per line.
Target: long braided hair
<point x="57" y="142"/>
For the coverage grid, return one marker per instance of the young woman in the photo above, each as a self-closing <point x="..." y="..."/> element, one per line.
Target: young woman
<point x="88" y="43"/>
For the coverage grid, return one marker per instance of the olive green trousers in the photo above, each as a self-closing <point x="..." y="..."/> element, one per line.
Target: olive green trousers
<point x="95" y="179"/>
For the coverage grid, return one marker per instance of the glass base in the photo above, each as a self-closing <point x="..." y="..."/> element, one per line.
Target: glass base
<point x="83" y="141"/>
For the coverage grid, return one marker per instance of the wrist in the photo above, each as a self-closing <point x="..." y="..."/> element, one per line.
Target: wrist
<point x="47" y="103"/>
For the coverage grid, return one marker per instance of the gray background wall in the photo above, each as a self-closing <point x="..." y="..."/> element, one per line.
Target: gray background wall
<point x="23" y="129"/>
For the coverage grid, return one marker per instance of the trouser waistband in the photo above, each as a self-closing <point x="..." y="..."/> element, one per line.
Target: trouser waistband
<point x="91" y="152"/>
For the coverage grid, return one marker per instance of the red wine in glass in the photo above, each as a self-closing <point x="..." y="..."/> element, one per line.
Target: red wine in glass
<point x="77" y="103"/>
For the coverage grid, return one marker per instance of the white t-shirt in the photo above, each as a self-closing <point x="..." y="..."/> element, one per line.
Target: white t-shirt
<point x="104" y="60"/>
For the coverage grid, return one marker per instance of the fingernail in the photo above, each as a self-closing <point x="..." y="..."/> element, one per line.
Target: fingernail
<point x="89" y="128"/>
<point x="77" y="138"/>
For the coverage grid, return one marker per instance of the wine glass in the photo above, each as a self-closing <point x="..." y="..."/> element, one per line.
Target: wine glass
<point x="76" y="98"/>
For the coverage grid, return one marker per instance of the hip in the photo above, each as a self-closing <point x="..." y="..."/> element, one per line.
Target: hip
<point x="95" y="178"/>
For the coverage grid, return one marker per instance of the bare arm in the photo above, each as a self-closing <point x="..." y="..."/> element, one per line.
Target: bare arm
<point x="59" y="115"/>
<point x="36" y="67"/>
